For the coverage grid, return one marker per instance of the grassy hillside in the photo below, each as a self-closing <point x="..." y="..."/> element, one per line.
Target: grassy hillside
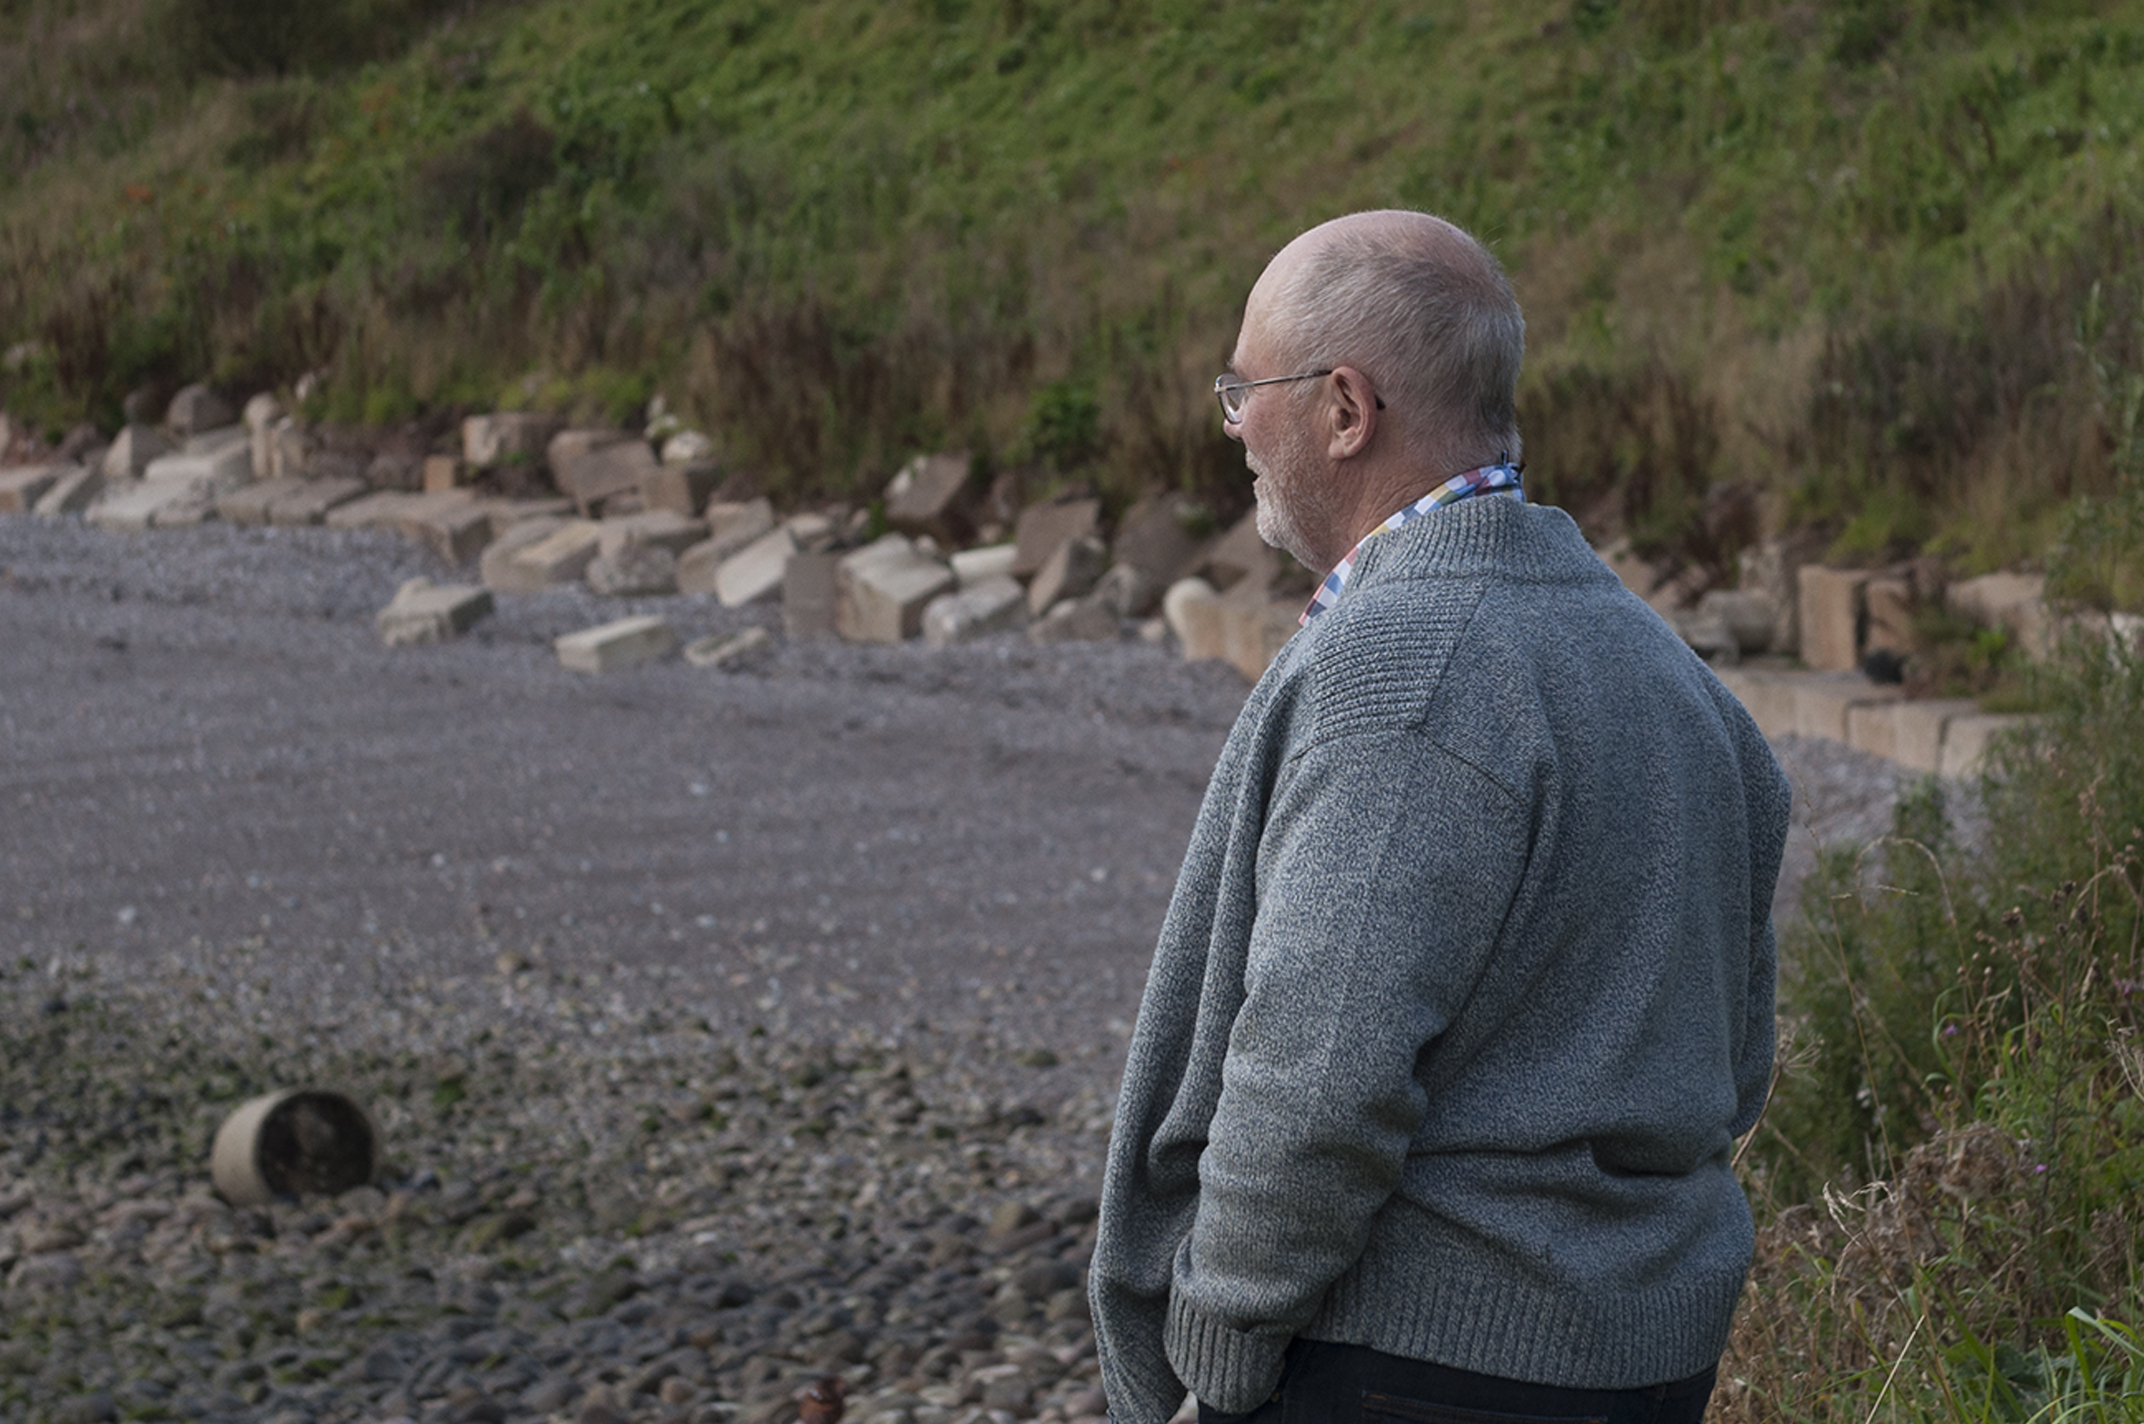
<point x="1851" y="266"/>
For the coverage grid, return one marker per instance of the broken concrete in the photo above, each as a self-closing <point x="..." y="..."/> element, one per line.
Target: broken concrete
<point x="425" y="612"/>
<point x="611" y="647"/>
<point x="1071" y="571"/>
<point x="881" y="590"/>
<point x="719" y="651"/>
<point x="993" y="605"/>
<point x="1042" y="528"/>
<point x="71" y="493"/>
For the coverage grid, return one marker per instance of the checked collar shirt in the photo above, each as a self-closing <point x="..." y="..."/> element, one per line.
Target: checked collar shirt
<point x="1500" y="480"/>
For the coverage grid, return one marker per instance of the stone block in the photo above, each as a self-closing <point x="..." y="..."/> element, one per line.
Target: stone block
<point x="444" y="472"/>
<point x="1909" y="733"/>
<point x="634" y="571"/>
<point x="1751" y="617"/>
<point x="610" y="647"/>
<point x="249" y="504"/>
<point x="1707" y="635"/>
<point x="926" y="497"/>
<point x="1164" y="537"/>
<point x="718" y="650"/>
<point x="1832" y="614"/>
<point x="688" y="447"/>
<point x="755" y="572"/>
<point x="496" y="567"/>
<point x="745" y="520"/>
<point x="2016" y="602"/>
<point x="1767" y="694"/>
<point x="195" y="409"/>
<point x="651" y="529"/>
<point x="1071" y="571"/>
<point x="1822" y="702"/>
<point x="1255" y="631"/>
<point x="1241" y="555"/>
<point x="680" y="488"/>
<point x="146" y="505"/>
<point x="312" y="501"/>
<point x="1129" y="590"/>
<point x="507" y="437"/>
<point x="731" y="528"/>
<point x="972" y="566"/>
<point x="506" y="513"/>
<point x="425" y="612"/>
<point x="23" y="486"/>
<point x="1092" y="619"/>
<point x="994" y="605"/>
<point x="1192" y="610"/>
<point x="381" y="509"/>
<point x="1889" y="603"/>
<point x="881" y="590"/>
<point x="132" y="450"/>
<point x="71" y="493"/>
<point x="562" y="556"/>
<point x="219" y="461"/>
<point x="262" y="413"/>
<point x="452" y="524"/>
<point x="1042" y="528"/>
<point x="809" y="593"/>
<point x="593" y="466"/>
<point x="816" y="530"/>
<point x="1966" y="739"/>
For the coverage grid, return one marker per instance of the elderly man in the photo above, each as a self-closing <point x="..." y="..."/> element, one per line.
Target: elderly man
<point x="1466" y="988"/>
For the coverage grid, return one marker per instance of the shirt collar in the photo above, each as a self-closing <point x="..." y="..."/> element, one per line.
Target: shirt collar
<point x="1501" y="479"/>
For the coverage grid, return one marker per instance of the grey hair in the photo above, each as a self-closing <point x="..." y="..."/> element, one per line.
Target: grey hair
<point x="1427" y="314"/>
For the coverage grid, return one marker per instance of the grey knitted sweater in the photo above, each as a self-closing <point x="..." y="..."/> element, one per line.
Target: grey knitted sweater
<point x="1464" y="993"/>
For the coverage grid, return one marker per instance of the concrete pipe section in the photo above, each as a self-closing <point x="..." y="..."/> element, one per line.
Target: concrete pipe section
<point x="295" y="1142"/>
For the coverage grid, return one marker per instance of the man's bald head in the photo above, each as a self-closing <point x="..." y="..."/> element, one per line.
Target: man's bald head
<point x="1420" y="307"/>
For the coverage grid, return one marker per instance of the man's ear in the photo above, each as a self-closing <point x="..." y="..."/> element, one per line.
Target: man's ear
<point x="1351" y="411"/>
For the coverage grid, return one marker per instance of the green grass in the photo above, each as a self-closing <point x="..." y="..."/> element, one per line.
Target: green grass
<point x="1835" y="256"/>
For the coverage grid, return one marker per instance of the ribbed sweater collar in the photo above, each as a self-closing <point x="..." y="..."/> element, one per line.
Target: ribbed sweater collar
<point x="1532" y="543"/>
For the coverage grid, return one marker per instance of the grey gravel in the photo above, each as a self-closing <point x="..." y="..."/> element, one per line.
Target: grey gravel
<point x="726" y="1029"/>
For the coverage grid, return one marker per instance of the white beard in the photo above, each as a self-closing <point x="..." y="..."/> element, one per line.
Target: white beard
<point x="1296" y="504"/>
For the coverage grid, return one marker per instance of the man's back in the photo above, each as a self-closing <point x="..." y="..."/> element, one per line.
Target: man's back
<point x="1465" y="991"/>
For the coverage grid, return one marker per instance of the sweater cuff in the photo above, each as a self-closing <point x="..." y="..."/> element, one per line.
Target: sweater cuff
<point x="1229" y="1370"/>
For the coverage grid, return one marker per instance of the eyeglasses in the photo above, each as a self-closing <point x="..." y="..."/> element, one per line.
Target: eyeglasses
<point x="1234" y="393"/>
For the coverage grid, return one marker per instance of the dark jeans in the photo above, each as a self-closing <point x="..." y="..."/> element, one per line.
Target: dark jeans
<point x="1352" y="1384"/>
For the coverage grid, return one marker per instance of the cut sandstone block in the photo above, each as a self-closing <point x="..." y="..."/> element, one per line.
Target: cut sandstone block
<point x="22" y="487"/>
<point x="132" y="451"/>
<point x="1831" y="617"/>
<point x="1241" y="555"/>
<point x="218" y="461"/>
<point x="250" y="503"/>
<point x="1092" y="619"/>
<point x="443" y="473"/>
<point x="1043" y="527"/>
<point x="562" y="556"/>
<point x="809" y="593"/>
<point x="495" y="566"/>
<point x="1192" y="610"/>
<point x="881" y="590"/>
<point x="2017" y="602"/>
<point x="593" y="466"/>
<point x="755" y="571"/>
<point x="1909" y="733"/>
<point x="425" y="612"/>
<point x="313" y="500"/>
<point x="507" y="437"/>
<point x="654" y="529"/>
<point x="924" y="498"/>
<point x="136" y="507"/>
<point x="71" y="493"/>
<point x="994" y="605"/>
<point x="1071" y="571"/>
<point x="197" y="408"/>
<point x="1255" y="632"/>
<point x="1821" y="703"/>
<point x="1164" y="537"/>
<point x="1767" y="695"/>
<point x="718" y="651"/>
<point x="679" y="488"/>
<point x="1966" y="740"/>
<point x="992" y="561"/>
<point x="610" y="647"/>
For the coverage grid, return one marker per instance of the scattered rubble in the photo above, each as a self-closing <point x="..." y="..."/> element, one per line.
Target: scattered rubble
<point x="612" y="647"/>
<point x="425" y="612"/>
